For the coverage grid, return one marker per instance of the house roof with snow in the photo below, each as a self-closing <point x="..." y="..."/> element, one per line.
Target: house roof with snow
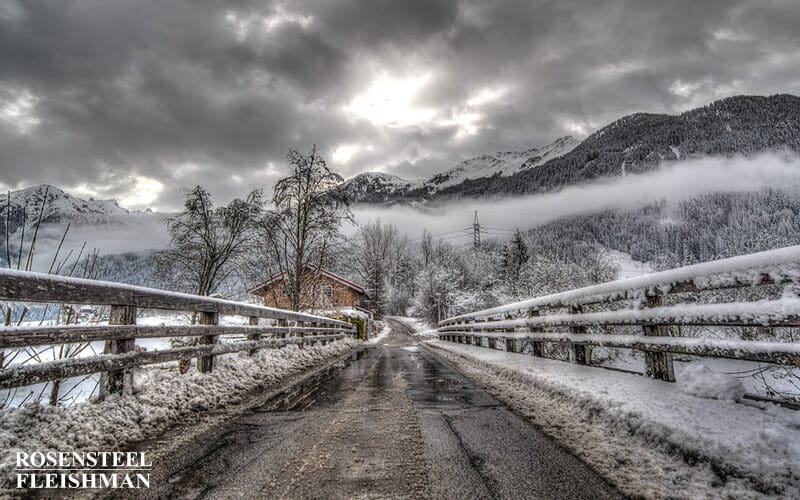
<point x="319" y="272"/>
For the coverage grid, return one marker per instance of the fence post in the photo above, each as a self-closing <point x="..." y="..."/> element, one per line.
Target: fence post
<point x="509" y="342"/>
<point x="206" y="363"/>
<point x="536" y="346"/>
<point x="578" y="351"/>
<point x="300" y="333"/>
<point x="489" y="339"/>
<point x="283" y="335"/>
<point x="253" y="321"/>
<point x="119" y="381"/>
<point x="658" y="365"/>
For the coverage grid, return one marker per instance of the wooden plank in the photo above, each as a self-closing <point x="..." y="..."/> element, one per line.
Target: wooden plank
<point x="626" y="294"/>
<point x="22" y="286"/>
<point x="46" y="335"/>
<point x="781" y="312"/>
<point x="206" y="363"/>
<point x="782" y="353"/>
<point x="61" y="369"/>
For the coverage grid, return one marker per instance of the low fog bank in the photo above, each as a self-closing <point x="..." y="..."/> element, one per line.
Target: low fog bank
<point x="673" y="182"/>
<point x="113" y="236"/>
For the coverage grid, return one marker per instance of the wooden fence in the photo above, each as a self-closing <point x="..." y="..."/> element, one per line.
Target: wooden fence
<point x="660" y="303"/>
<point x="120" y="355"/>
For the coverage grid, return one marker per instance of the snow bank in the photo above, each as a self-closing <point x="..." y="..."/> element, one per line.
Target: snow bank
<point x="696" y="379"/>
<point x="386" y="330"/>
<point x="420" y="327"/>
<point x="160" y="399"/>
<point x="646" y="436"/>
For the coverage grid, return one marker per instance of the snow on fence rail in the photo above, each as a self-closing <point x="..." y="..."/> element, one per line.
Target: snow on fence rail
<point x="120" y="355"/>
<point x="659" y="322"/>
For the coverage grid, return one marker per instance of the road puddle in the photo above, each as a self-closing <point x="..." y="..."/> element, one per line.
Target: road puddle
<point x="302" y="395"/>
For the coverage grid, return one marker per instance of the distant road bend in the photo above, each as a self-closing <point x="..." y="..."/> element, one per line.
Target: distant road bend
<point x="395" y="423"/>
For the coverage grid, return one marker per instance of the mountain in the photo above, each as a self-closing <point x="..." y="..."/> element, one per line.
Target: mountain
<point x="503" y="164"/>
<point x="740" y="125"/>
<point x="59" y="207"/>
<point x="378" y="187"/>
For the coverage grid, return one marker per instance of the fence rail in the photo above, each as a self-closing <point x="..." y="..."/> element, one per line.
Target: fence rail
<point x="524" y="323"/>
<point x="120" y="355"/>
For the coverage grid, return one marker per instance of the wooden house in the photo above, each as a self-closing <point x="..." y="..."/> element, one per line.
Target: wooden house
<point x="323" y="290"/>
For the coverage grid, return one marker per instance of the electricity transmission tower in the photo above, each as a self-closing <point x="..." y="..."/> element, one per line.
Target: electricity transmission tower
<point x="476" y="231"/>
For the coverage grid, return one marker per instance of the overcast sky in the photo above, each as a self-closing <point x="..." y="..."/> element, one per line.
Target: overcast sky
<point x="134" y="99"/>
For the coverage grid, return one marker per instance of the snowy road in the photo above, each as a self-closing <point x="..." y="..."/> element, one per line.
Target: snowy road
<point x="397" y="422"/>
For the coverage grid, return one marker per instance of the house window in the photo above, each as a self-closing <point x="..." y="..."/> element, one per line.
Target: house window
<point x="326" y="290"/>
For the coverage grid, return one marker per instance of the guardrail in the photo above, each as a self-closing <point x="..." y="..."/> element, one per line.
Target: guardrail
<point x="120" y="355"/>
<point x="525" y="323"/>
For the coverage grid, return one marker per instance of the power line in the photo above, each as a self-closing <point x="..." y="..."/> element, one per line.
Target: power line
<point x="454" y="237"/>
<point x="466" y="230"/>
<point x="476" y="231"/>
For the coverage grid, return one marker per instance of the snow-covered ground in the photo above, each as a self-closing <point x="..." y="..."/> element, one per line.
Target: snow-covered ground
<point x="628" y="267"/>
<point x="386" y="330"/>
<point x="161" y="397"/>
<point x="759" y="379"/>
<point x="420" y="327"/>
<point x="649" y="437"/>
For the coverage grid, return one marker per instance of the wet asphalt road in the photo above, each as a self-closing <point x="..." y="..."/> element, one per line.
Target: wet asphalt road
<point x="395" y="423"/>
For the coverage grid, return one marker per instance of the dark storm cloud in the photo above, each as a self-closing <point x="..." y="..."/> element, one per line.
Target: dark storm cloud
<point x="109" y="94"/>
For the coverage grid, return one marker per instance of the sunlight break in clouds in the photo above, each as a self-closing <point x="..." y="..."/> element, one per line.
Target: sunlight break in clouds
<point x="390" y="101"/>
<point x="674" y="183"/>
<point x="141" y="194"/>
<point x="343" y="153"/>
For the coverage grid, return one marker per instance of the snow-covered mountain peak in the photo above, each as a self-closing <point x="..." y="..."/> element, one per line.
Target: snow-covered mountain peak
<point x="376" y="187"/>
<point x="503" y="164"/>
<point x="58" y="206"/>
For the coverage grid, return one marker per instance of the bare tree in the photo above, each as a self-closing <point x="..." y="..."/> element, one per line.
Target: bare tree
<point x="206" y="241"/>
<point x="375" y="245"/>
<point x="302" y="228"/>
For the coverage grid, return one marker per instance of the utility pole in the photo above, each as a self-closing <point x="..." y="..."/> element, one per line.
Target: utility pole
<point x="438" y="308"/>
<point x="476" y="231"/>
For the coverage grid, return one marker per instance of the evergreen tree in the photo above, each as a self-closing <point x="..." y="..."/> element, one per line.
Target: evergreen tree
<point x="515" y="256"/>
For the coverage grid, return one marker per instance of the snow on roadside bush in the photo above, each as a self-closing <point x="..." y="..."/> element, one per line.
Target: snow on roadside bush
<point x="696" y="379"/>
<point x="161" y="398"/>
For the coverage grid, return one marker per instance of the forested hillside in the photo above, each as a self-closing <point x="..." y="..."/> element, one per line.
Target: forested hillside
<point x="740" y="125"/>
